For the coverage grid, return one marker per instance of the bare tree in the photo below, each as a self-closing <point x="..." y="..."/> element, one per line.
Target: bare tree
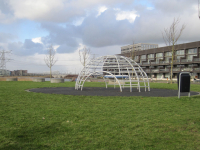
<point x="84" y="55"/>
<point x="171" y="36"/>
<point x="50" y="59"/>
<point x="133" y="51"/>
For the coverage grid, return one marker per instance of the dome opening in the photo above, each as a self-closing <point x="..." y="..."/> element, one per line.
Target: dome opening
<point x="115" y="70"/>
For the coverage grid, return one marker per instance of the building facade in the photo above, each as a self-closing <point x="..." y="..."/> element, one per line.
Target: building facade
<point x="156" y="62"/>
<point x="19" y="73"/>
<point x="4" y="72"/>
<point x="137" y="47"/>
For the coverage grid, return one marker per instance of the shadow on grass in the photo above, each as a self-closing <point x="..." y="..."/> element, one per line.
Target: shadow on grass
<point x="34" y="137"/>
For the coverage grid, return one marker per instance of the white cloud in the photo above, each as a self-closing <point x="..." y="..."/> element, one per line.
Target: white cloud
<point x="56" y="10"/>
<point x="101" y="10"/>
<point x="37" y="40"/>
<point x="129" y="15"/>
<point x="36" y="9"/>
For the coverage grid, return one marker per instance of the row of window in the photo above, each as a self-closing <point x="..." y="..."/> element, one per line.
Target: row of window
<point x="148" y="46"/>
<point x="190" y="52"/>
<point x="140" y="47"/>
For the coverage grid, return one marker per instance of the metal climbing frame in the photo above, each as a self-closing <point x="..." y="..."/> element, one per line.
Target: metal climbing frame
<point x="123" y="71"/>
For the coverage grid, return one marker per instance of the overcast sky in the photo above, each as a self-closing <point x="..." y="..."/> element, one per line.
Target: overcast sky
<point x="28" y="27"/>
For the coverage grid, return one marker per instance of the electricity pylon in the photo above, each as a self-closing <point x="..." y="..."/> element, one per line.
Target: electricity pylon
<point x="4" y="60"/>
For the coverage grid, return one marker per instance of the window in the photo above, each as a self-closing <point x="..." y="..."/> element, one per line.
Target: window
<point x="151" y="56"/>
<point x="143" y="56"/>
<point x="189" y="57"/>
<point x="136" y="58"/>
<point x="167" y="59"/>
<point x="158" y="59"/>
<point x="180" y="52"/>
<point x="178" y="57"/>
<point x="168" y="54"/>
<point x="159" y="55"/>
<point x="192" y="51"/>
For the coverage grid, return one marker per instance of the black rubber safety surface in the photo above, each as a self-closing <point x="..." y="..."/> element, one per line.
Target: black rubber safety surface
<point x="102" y="91"/>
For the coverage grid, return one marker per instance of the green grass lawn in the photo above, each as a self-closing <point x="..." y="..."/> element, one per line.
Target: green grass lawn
<point x="48" y="121"/>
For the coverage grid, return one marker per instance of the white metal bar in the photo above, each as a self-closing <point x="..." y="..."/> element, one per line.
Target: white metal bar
<point x="120" y="65"/>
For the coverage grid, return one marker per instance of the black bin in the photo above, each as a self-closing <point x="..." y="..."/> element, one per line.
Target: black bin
<point x="184" y="81"/>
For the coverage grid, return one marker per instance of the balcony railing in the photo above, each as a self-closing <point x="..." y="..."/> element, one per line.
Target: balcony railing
<point x="176" y="69"/>
<point x="197" y="69"/>
<point x="164" y="62"/>
<point x="186" y="69"/>
<point x="164" y="70"/>
<point x="167" y="70"/>
<point x="177" y="61"/>
<point x="186" y="60"/>
<point x="155" y="70"/>
<point x="147" y="70"/>
<point x="154" y="63"/>
<point x="196" y="59"/>
<point x="146" y="63"/>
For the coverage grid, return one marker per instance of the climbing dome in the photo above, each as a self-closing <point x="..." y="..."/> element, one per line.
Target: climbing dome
<point x="115" y="70"/>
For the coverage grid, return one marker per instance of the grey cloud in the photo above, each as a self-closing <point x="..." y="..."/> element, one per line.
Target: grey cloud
<point x="64" y="11"/>
<point x="175" y="6"/>
<point x="151" y="24"/>
<point x="16" y="47"/>
<point x="4" y="7"/>
<point x="5" y="37"/>
<point x="29" y="44"/>
<point x="61" y="35"/>
<point x="26" y="48"/>
<point x="66" y="49"/>
<point x="105" y="30"/>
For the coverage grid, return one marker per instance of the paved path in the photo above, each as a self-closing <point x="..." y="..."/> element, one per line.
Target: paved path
<point x="102" y="91"/>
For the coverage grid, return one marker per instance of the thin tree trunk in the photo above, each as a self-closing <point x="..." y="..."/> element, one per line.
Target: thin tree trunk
<point x="50" y="73"/>
<point x="172" y="61"/>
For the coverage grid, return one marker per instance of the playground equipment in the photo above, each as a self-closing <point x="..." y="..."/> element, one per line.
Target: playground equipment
<point x="115" y="70"/>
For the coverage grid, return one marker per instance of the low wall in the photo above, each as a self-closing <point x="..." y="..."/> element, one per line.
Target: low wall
<point x="18" y="78"/>
<point x="38" y="79"/>
<point x="57" y="80"/>
<point x="25" y="79"/>
<point x="11" y="79"/>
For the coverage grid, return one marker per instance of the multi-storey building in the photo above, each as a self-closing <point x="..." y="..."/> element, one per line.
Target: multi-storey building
<point x="4" y="72"/>
<point x="157" y="61"/>
<point x="137" y="47"/>
<point x="19" y="73"/>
